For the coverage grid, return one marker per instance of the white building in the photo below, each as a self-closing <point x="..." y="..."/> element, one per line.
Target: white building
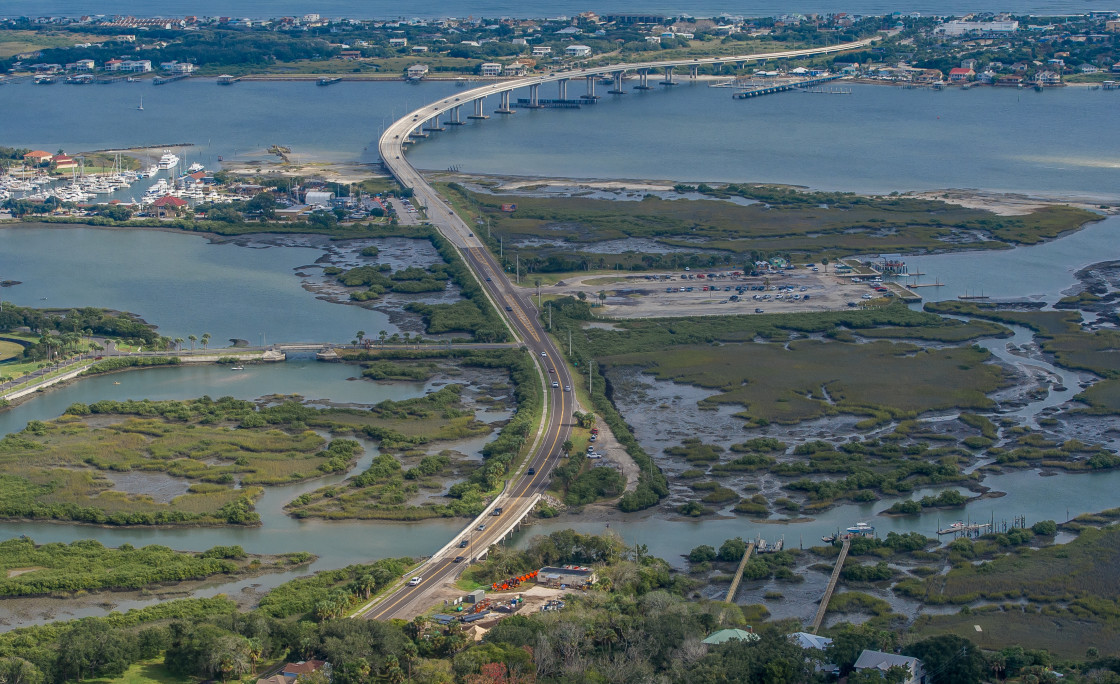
<point x="176" y="67"/>
<point x="417" y="71"/>
<point x="542" y="50"/>
<point x="490" y="69"/>
<point x="960" y="28"/>
<point x="577" y="51"/>
<point x="398" y="42"/>
<point x="135" y="65"/>
<point x="420" y="48"/>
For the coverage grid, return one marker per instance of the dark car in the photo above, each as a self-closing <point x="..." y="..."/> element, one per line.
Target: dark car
<point x="509" y="308"/>
<point x="459" y="559"/>
<point x="463" y="544"/>
<point x="532" y="471"/>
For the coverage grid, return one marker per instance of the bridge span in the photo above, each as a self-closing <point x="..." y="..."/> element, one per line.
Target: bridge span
<point x="420" y="122"/>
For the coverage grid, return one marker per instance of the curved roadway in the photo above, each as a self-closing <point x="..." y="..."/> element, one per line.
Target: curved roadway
<point x="522" y="490"/>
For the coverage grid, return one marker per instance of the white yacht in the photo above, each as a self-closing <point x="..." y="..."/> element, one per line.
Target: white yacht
<point x="195" y="168"/>
<point x="168" y="160"/>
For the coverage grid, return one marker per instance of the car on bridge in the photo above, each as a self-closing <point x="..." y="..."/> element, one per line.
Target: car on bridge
<point x="464" y="543"/>
<point x="459" y="559"/>
<point x="415" y="581"/>
<point x="555" y="384"/>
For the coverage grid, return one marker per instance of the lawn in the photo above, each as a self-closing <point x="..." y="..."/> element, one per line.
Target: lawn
<point x="14" y="42"/>
<point x="144" y="672"/>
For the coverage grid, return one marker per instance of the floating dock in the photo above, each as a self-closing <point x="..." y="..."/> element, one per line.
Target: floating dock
<point x="160" y="80"/>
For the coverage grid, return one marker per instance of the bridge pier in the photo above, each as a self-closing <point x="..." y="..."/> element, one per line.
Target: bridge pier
<point x="534" y="95"/>
<point x="478" y="110"/>
<point x="668" y="76"/>
<point x="694" y="71"/>
<point x="455" y="120"/>
<point x="590" y="89"/>
<point x="433" y="124"/>
<point x="643" y="80"/>
<point x="562" y="88"/>
<point x="503" y="105"/>
<point x="617" y="84"/>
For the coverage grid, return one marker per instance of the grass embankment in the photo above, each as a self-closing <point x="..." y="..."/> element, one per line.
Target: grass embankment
<point x="813" y="224"/>
<point x="31" y="570"/>
<point x="384" y="489"/>
<point x="1060" y="334"/>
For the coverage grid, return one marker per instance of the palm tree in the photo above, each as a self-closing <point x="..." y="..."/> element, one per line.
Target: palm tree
<point x="178" y="344"/>
<point x="382" y="335"/>
<point x="205" y="339"/>
<point x="192" y="338"/>
<point x="361" y="335"/>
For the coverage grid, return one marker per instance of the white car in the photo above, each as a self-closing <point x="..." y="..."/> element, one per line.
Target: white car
<point x="414" y="581"/>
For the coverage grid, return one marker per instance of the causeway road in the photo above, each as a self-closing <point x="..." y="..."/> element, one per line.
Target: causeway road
<point x="409" y="600"/>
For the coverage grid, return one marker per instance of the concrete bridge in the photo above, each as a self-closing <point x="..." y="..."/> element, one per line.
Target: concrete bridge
<point x="419" y="123"/>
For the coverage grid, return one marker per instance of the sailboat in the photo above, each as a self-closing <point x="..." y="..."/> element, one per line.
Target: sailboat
<point x="141" y="105"/>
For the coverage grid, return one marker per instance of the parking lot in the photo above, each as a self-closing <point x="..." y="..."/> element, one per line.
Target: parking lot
<point x="723" y="292"/>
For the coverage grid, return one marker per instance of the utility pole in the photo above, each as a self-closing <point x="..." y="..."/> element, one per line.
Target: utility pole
<point x="501" y="247"/>
<point x="549" y="315"/>
<point x="517" y="258"/>
<point x="569" y="342"/>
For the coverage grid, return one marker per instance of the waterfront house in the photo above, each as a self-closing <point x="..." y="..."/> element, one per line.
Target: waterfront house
<point x="135" y="65"/>
<point x="577" y="51"/>
<point x="1013" y="80"/>
<point x="928" y="76"/>
<point x="38" y="157"/>
<point x="961" y="75"/>
<point x="175" y="67"/>
<point x="64" y="162"/>
<point x="417" y="71"/>
<point x="516" y="69"/>
<point x="1048" y="78"/>
<point x="84" y="65"/>
<point x="490" y="69"/>
<point x="168" y="206"/>
<point x="877" y="660"/>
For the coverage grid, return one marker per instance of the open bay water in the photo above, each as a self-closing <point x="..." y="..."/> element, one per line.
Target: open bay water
<point x="385" y="9"/>
<point x="878" y="139"/>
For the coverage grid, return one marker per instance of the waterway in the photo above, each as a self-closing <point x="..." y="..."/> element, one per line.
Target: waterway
<point x="362" y="9"/>
<point x="879" y="139"/>
<point x="184" y="284"/>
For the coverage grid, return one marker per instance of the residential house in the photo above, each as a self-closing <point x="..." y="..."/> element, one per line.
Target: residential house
<point x="809" y="642"/>
<point x="1020" y="67"/>
<point x="519" y="41"/>
<point x="725" y="635"/>
<point x="961" y="75"/>
<point x="1014" y="80"/>
<point x="168" y="206"/>
<point x="1048" y="78"/>
<point x="516" y="69"/>
<point x="877" y="660"/>
<point x="84" y="65"/>
<point x="420" y="48"/>
<point x="577" y="51"/>
<point x="928" y="76"/>
<point x="542" y="50"/>
<point x="398" y="42"/>
<point x="350" y="54"/>
<point x="135" y="65"/>
<point x="174" y="67"/>
<point x="1112" y="26"/>
<point x="38" y="157"/>
<point x="62" y="162"/>
<point x="304" y="667"/>
<point x="968" y="64"/>
<point x="490" y="69"/>
<point x="417" y="71"/>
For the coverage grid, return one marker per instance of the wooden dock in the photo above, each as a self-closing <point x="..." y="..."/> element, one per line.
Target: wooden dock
<point x="823" y="608"/>
<point x="739" y="573"/>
